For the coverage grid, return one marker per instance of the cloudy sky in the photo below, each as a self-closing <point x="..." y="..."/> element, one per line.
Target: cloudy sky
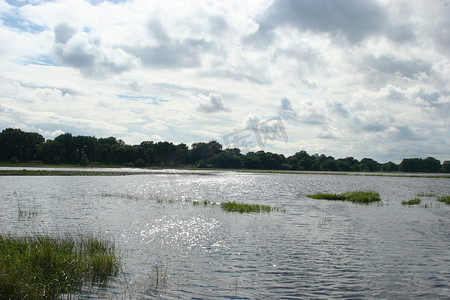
<point x="343" y="78"/>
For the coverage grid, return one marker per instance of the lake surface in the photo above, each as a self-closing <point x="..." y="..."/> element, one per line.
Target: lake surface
<point x="171" y="248"/>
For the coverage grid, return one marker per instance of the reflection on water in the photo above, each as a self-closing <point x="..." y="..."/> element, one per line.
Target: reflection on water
<point x="316" y="249"/>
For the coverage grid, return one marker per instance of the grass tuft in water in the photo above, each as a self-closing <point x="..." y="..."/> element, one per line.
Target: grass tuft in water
<point x="47" y="267"/>
<point x="355" y="197"/>
<point x="426" y="195"/>
<point x="247" y="208"/>
<point x="445" y="199"/>
<point x="414" y="201"/>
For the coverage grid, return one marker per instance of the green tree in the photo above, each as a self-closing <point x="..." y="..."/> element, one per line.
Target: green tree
<point x="446" y="166"/>
<point x="431" y="164"/>
<point x="411" y="165"/>
<point x="17" y="143"/>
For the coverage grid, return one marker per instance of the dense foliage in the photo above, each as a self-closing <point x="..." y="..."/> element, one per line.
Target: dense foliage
<point x="19" y="146"/>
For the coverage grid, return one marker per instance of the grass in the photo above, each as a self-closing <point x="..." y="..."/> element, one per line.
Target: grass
<point x="355" y="197"/>
<point x="445" y="199"/>
<point x="247" y="208"/>
<point x="414" y="201"/>
<point x="426" y="195"/>
<point x="46" y="267"/>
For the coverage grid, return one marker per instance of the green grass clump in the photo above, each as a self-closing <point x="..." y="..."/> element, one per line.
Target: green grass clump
<point x="355" y="197"/>
<point x="246" y="208"/>
<point x="328" y="196"/>
<point x="414" y="201"/>
<point x="426" y="195"/>
<point x="445" y="199"/>
<point x="47" y="267"/>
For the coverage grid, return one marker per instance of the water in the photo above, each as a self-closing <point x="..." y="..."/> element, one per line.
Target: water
<point x="316" y="249"/>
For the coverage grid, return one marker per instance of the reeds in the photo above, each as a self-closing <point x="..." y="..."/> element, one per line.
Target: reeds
<point x="364" y="197"/>
<point x="445" y="199"/>
<point x="247" y="208"/>
<point x="414" y="201"/>
<point x="46" y="266"/>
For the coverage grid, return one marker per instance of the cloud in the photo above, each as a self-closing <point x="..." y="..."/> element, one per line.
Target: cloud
<point x="63" y="33"/>
<point x="211" y="104"/>
<point x="351" y="20"/>
<point x="169" y="52"/>
<point x="286" y="111"/>
<point x="84" y="51"/>
<point x="308" y="114"/>
<point x="410" y="68"/>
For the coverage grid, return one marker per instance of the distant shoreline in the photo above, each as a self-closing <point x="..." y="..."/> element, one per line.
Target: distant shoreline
<point x="62" y="170"/>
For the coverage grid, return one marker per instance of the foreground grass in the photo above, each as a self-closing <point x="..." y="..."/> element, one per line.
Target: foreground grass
<point x="414" y="201"/>
<point x="445" y="199"/>
<point x="247" y="208"/>
<point x="355" y="197"/>
<point x="46" y="267"/>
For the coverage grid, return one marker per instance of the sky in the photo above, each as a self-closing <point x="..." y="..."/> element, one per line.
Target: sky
<point x="344" y="78"/>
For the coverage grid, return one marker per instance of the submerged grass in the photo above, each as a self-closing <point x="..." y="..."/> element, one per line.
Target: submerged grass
<point x="445" y="199"/>
<point x="247" y="208"/>
<point x="355" y="197"/>
<point x="414" y="201"/>
<point x="47" y="267"/>
<point x="426" y="195"/>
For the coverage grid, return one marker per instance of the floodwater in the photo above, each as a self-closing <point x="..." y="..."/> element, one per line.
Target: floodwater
<point x="172" y="249"/>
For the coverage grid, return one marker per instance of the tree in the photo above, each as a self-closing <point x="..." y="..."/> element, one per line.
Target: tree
<point x="19" y="144"/>
<point x="252" y="161"/>
<point x="389" y="167"/>
<point x="225" y="160"/>
<point x="85" y="146"/>
<point x="51" y="152"/>
<point x="446" y="166"/>
<point x="411" y="165"/>
<point x="368" y="165"/>
<point x="69" y="153"/>
<point x="431" y="164"/>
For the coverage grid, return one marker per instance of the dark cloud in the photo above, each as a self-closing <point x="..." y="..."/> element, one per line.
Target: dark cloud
<point x="213" y="103"/>
<point x="170" y="53"/>
<point x="390" y="65"/>
<point x="63" y="33"/>
<point x="352" y="20"/>
<point x="405" y="133"/>
<point x="286" y="111"/>
<point x="174" y="54"/>
<point x="339" y="109"/>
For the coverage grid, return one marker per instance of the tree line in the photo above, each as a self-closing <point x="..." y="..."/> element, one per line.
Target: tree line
<point x="20" y="146"/>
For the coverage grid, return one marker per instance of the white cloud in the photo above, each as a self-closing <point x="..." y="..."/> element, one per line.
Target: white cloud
<point x="347" y="78"/>
<point x="211" y="104"/>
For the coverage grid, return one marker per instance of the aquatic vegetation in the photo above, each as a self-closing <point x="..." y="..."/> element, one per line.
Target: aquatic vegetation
<point x="355" y="197"/>
<point x="247" y="208"/>
<point x="445" y="199"/>
<point x="328" y="196"/>
<point x="25" y="213"/>
<point x="46" y="266"/>
<point x="426" y="195"/>
<point x="414" y="201"/>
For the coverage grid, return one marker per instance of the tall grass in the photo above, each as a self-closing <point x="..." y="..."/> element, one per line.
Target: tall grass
<point x="445" y="199"/>
<point x="247" y="208"/>
<point x="47" y="266"/>
<point x="355" y="197"/>
<point x="414" y="201"/>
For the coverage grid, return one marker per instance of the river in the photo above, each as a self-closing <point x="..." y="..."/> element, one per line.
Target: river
<point x="172" y="249"/>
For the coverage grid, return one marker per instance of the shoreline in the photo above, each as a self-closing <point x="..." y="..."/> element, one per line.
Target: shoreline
<point x="40" y="169"/>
